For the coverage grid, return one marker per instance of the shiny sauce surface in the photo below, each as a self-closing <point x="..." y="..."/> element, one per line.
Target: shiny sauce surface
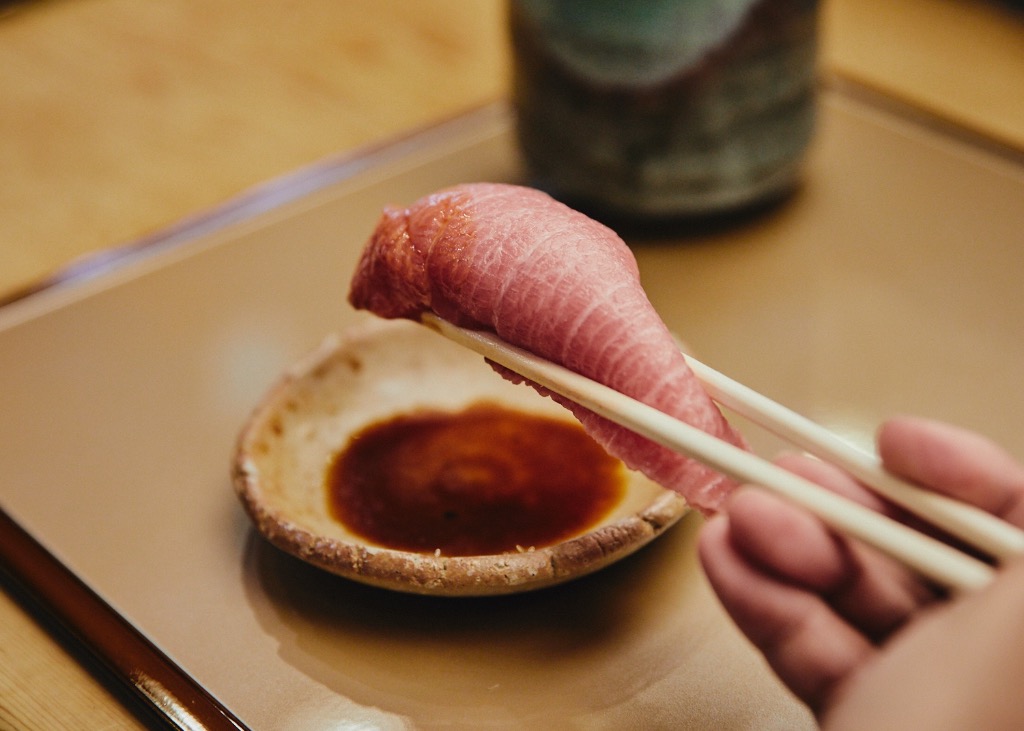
<point x="484" y="480"/>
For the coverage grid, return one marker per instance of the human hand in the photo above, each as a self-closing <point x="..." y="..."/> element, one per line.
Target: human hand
<point x="861" y="640"/>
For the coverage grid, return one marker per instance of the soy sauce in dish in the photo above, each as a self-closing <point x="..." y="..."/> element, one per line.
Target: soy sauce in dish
<point x="484" y="480"/>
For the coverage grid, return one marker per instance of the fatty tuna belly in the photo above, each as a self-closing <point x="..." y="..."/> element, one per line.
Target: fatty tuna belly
<point x="554" y="282"/>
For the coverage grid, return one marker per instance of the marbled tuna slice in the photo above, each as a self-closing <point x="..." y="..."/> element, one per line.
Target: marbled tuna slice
<point x="557" y="283"/>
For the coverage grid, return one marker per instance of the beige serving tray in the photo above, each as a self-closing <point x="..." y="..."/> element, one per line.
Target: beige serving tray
<point x="888" y="283"/>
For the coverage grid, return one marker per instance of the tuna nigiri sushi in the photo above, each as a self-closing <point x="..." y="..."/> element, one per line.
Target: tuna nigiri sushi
<point x="544" y="277"/>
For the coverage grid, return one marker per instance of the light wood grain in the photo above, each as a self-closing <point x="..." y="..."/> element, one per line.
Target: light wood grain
<point x="42" y="687"/>
<point x="118" y="118"/>
<point x="960" y="59"/>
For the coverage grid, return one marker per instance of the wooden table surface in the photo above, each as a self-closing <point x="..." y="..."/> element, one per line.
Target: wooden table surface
<point x="119" y="118"/>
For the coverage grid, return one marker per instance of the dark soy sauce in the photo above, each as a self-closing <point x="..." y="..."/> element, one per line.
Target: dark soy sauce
<point x="484" y="480"/>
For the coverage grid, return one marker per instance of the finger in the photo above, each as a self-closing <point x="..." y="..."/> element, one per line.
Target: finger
<point x="955" y="668"/>
<point x="834" y="478"/>
<point x="956" y="462"/>
<point x="872" y="592"/>
<point x="809" y="647"/>
<point x="841" y="482"/>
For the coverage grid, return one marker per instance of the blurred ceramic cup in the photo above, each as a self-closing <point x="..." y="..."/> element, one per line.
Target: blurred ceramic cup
<point x="664" y="108"/>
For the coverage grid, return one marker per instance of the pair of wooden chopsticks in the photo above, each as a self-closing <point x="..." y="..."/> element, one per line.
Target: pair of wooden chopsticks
<point x="933" y="559"/>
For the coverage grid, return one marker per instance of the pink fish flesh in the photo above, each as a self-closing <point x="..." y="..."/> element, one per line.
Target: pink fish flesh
<point x="514" y="261"/>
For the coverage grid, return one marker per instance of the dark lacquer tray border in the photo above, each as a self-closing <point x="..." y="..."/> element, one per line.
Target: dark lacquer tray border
<point x="158" y="690"/>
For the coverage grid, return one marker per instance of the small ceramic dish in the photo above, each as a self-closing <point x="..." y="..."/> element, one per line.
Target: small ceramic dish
<point x="376" y="372"/>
